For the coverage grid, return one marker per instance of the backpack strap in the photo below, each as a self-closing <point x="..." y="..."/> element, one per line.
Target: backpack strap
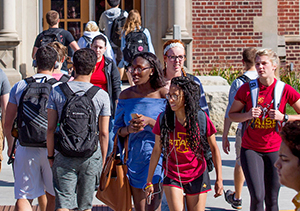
<point x="202" y="123"/>
<point x="51" y="81"/>
<point x="64" y="78"/>
<point x="92" y="91"/>
<point x="254" y="89"/>
<point x="244" y="78"/>
<point x="87" y="39"/>
<point x="30" y="80"/>
<point x="279" y="87"/>
<point x="161" y="116"/>
<point x="66" y="90"/>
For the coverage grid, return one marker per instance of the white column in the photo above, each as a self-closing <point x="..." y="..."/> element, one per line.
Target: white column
<point x="8" y="13"/>
<point x="180" y="16"/>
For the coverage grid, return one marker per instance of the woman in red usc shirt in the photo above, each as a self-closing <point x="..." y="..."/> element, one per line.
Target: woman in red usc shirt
<point x="261" y="139"/>
<point x="177" y="136"/>
<point x="106" y="75"/>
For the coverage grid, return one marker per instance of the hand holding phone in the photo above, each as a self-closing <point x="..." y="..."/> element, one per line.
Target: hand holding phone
<point x="134" y="115"/>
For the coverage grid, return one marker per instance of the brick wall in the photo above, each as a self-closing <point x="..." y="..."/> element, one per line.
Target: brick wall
<point x="288" y="24"/>
<point x="221" y="30"/>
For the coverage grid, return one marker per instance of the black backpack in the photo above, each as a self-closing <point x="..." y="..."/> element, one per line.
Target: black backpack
<point x="32" y="112"/>
<point x="64" y="78"/>
<point x="244" y="78"/>
<point x="77" y="133"/>
<point x="51" y="36"/>
<point x="116" y="29"/>
<point x="202" y="124"/>
<point x="136" y="41"/>
<point x="88" y="41"/>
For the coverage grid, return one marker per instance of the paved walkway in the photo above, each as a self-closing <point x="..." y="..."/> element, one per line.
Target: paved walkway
<point x="212" y="204"/>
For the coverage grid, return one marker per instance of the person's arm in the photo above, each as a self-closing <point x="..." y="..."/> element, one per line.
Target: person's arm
<point x="235" y="114"/>
<point x="74" y="46"/>
<point x="225" y="142"/>
<point x="52" y="123"/>
<point x="153" y="163"/>
<point x="3" y="103"/>
<point x="148" y="35"/>
<point x="277" y="115"/>
<point x="115" y="82"/>
<point x="11" y="113"/>
<point x="216" y="156"/>
<point x="227" y="123"/>
<point x="103" y="135"/>
<point x="34" y="50"/>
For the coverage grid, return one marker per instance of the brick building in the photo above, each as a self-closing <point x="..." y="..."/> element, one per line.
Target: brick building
<point x="222" y="29"/>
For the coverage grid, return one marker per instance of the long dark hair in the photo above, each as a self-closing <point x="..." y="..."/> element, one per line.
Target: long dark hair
<point x="157" y="78"/>
<point x="191" y="91"/>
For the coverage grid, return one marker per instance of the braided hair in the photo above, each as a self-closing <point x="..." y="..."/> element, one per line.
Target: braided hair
<point x="191" y="98"/>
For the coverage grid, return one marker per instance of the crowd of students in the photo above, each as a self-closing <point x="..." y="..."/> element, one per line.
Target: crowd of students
<point x="165" y="115"/>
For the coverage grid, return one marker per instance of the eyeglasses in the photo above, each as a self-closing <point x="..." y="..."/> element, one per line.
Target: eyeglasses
<point x="173" y="58"/>
<point x="138" y="69"/>
<point x="173" y="97"/>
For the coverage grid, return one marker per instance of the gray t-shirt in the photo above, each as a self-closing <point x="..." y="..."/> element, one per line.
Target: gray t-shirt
<point x="4" y="83"/>
<point x="101" y="99"/>
<point x="18" y="88"/>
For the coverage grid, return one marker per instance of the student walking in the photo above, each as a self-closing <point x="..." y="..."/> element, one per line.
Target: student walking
<point x="82" y="111"/>
<point x="263" y="119"/>
<point x="177" y="136"/>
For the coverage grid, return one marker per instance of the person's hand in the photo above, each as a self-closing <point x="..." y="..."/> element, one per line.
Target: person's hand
<point x="225" y="144"/>
<point x="275" y="114"/>
<point x="51" y="161"/>
<point x="254" y="112"/>
<point x="218" y="188"/>
<point x="149" y="190"/>
<point x="137" y="124"/>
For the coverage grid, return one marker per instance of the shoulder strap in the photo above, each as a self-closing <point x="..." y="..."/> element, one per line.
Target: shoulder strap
<point x="92" y="91"/>
<point x="66" y="90"/>
<point x="52" y="81"/>
<point x="161" y="116"/>
<point x="244" y="78"/>
<point x="202" y="123"/>
<point x="86" y="38"/>
<point x="254" y="89"/>
<point x="279" y="87"/>
<point x="29" y="80"/>
<point x="64" y="78"/>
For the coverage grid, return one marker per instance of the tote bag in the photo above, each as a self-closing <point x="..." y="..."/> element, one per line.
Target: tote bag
<point x="114" y="189"/>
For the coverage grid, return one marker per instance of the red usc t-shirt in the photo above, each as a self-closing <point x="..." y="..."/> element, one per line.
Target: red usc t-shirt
<point x="263" y="136"/>
<point x="189" y="167"/>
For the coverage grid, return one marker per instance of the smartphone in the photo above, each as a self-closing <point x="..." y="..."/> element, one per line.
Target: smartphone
<point x="134" y="116"/>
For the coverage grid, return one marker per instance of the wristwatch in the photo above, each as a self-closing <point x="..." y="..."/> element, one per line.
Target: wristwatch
<point x="285" y="118"/>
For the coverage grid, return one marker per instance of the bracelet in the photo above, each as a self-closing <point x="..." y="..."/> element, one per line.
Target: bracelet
<point x="128" y="130"/>
<point x="148" y="185"/>
<point x="51" y="157"/>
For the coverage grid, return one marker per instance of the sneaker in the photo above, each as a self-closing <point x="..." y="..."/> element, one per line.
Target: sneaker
<point x="235" y="203"/>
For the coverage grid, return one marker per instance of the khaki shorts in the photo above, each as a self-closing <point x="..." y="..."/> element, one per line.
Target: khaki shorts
<point x="238" y="146"/>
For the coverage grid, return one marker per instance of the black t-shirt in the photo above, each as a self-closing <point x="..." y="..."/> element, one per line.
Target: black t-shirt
<point x="66" y="39"/>
<point x="66" y="36"/>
